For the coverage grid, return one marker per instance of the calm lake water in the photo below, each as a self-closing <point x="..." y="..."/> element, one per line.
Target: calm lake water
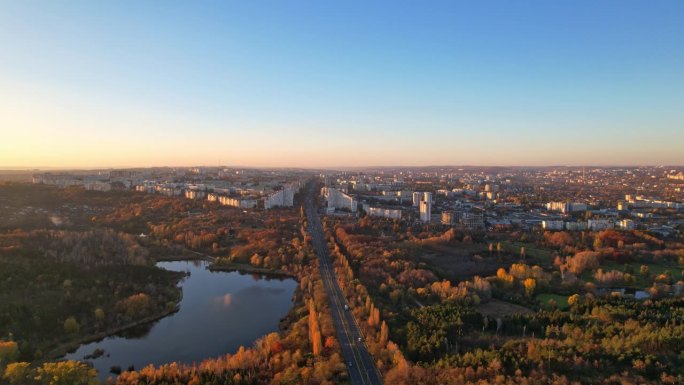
<point x="220" y="311"/>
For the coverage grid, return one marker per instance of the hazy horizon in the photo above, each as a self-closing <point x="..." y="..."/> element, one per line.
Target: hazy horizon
<point x="328" y="85"/>
<point x="339" y="168"/>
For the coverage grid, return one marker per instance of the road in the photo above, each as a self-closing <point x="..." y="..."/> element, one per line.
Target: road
<point x="362" y="369"/>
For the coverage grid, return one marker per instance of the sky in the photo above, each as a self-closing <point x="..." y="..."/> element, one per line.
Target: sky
<point x="341" y="83"/>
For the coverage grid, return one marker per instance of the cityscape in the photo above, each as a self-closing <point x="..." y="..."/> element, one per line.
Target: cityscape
<point x="355" y="193"/>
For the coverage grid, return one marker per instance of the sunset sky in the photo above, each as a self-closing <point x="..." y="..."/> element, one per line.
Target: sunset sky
<point x="341" y="83"/>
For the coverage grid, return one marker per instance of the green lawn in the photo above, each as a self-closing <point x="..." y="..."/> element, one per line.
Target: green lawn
<point x="561" y="300"/>
<point x="534" y="254"/>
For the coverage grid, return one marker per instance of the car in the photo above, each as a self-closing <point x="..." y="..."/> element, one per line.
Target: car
<point x="346" y="307"/>
<point x="350" y="363"/>
<point x="360" y="339"/>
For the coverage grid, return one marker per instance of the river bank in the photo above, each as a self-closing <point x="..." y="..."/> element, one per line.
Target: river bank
<point x="247" y="268"/>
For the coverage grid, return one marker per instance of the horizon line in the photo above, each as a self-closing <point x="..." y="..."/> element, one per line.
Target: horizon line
<point x="333" y="168"/>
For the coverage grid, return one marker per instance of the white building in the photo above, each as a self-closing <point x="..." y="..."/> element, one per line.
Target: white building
<point x="566" y="207"/>
<point x="194" y="194"/>
<point x="417" y="197"/>
<point x="425" y="211"/>
<point x="283" y="197"/>
<point x="384" y="213"/>
<point x="600" y="224"/>
<point x="243" y="203"/>
<point x="626" y="224"/>
<point x="552" y="225"/>
<point x="576" y="226"/>
<point x="338" y="200"/>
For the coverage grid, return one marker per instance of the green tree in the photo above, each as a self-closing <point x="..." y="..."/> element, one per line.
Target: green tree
<point x="71" y="326"/>
<point x="99" y="314"/>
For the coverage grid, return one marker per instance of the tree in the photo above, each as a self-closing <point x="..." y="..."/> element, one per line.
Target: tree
<point x="384" y="334"/>
<point x="17" y="373"/>
<point x="71" y="326"/>
<point x="530" y="285"/>
<point x="8" y="351"/>
<point x="598" y="243"/>
<point x="573" y="299"/>
<point x="99" y="314"/>
<point x="66" y="373"/>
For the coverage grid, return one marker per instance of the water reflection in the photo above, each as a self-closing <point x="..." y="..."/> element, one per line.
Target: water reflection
<point x="219" y="312"/>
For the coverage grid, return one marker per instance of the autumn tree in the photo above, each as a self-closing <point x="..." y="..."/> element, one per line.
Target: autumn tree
<point x="66" y="373"/>
<point x="384" y="334"/>
<point x="17" y="373"/>
<point x="314" y="330"/>
<point x="8" y="351"/>
<point x="530" y="285"/>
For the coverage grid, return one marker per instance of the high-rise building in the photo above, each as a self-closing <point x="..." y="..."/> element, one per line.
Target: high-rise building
<point x="425" y="211"/>
<point x="417" y="197"/>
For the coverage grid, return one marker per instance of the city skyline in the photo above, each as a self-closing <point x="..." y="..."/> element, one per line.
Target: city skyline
<point x="128" y="84"/>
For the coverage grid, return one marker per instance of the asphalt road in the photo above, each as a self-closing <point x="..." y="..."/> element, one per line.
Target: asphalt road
<point x="362" y="369"/>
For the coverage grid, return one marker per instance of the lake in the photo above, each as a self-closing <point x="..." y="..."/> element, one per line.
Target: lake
<point x="219" y="312"/>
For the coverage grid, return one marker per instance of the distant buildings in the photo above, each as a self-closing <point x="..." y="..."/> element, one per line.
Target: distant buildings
<point x="95" y="182"/>
<point x="679" y="176"/>
<point x="473" y="220"/>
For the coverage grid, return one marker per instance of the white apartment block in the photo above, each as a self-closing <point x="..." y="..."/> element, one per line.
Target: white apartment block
<point x="283" y="198"/>
<point x="384" y="213"/>
<point x="243" y="203"/>
<point x="195" y="194"/>
<point x="339" y="200"/>
<point x="553" y="225"/>
<point x="600" y="224"/>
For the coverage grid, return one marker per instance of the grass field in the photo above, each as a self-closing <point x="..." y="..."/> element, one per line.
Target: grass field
<point x="561" y="300"/>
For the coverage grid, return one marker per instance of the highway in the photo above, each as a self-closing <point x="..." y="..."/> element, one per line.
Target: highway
<point x="362" y="369"/>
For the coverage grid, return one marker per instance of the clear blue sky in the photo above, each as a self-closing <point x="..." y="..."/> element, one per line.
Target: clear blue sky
<point x="341" y="83"/>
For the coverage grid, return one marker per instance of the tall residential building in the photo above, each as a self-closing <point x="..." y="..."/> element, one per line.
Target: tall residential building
<point x="417" y="197"/>
<point x="425" y="211"/>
